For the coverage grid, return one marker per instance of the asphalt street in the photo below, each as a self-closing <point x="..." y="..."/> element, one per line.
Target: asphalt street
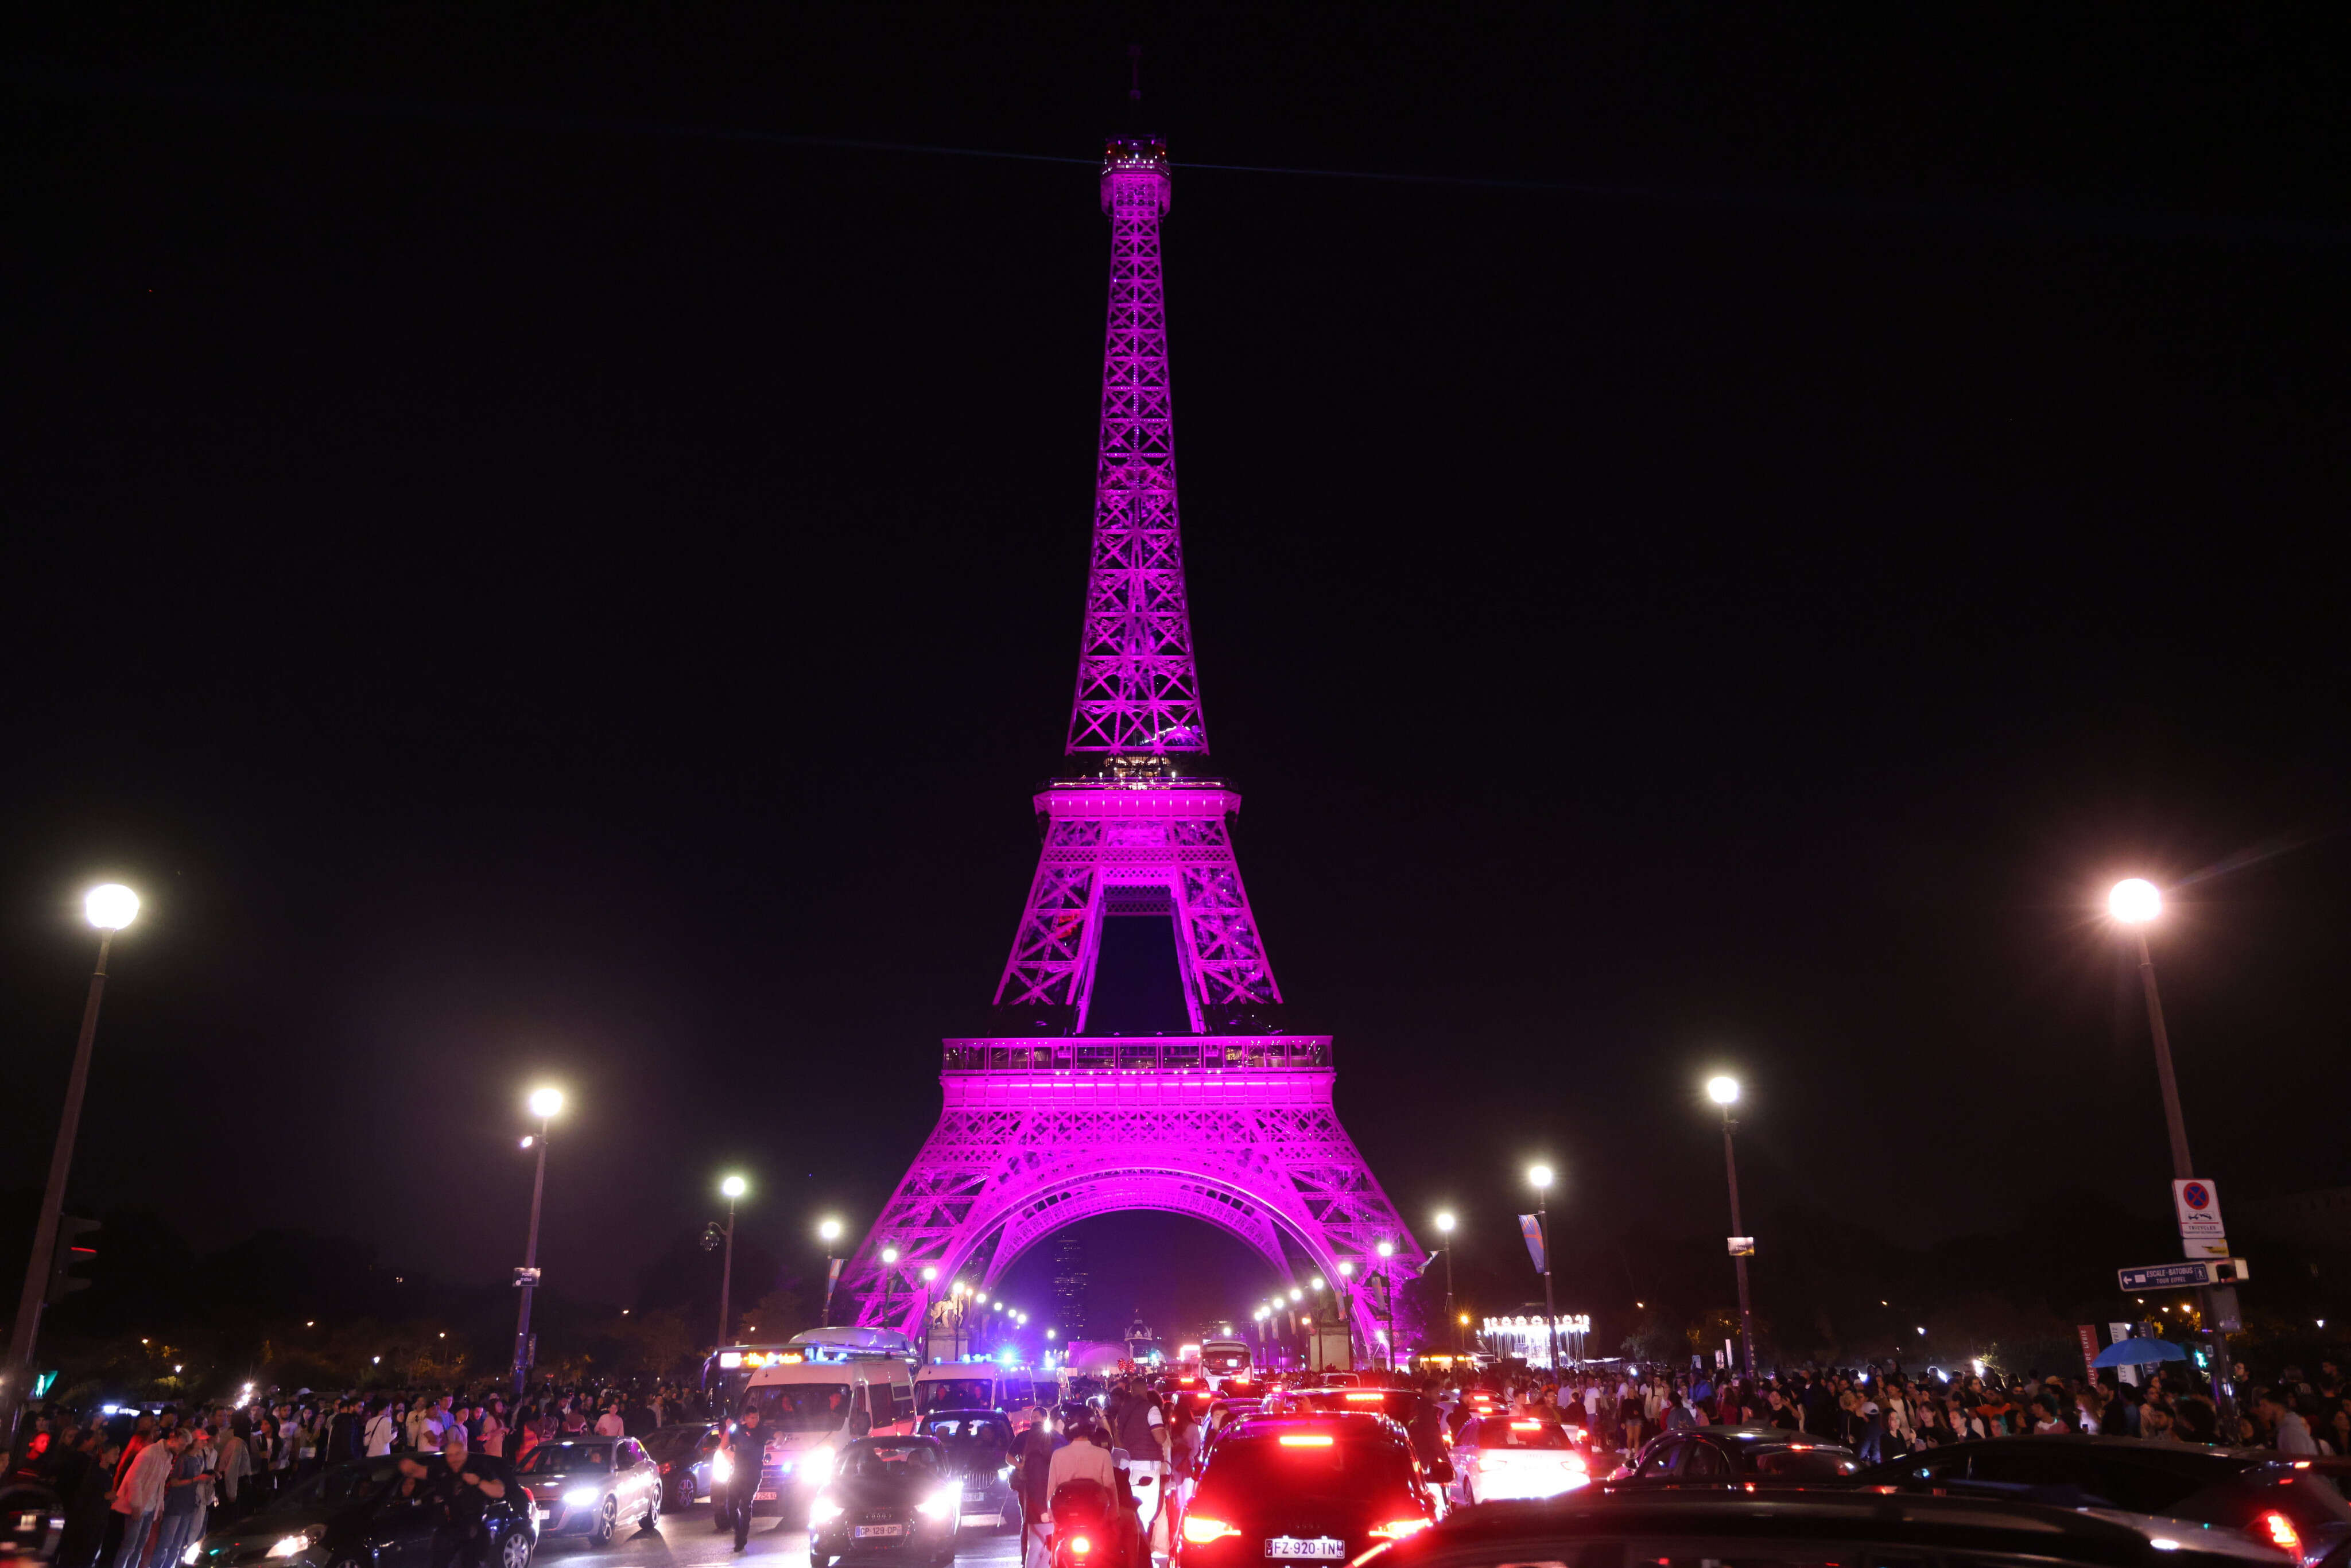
<point x="691" y="1540"/>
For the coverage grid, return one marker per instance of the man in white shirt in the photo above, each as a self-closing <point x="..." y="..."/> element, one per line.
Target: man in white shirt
<point x="609" y="1425"/>
<point x="380" y="1432"/>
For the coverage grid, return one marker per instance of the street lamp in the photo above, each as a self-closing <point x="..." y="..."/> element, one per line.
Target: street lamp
<point x="1387" y="1251"/>
<point x="1445" y="1227"/>
<point x="1538" y="1176"/>
<point x="930" y="1279"/>
<point x="1723" y="1089"/>
<point x="546" y="1103"/>
<point x="109" y="907"/>
<point x="2134" y="902"/>
<point x="830" y="1232"/>
<point x="731" y="1190"/>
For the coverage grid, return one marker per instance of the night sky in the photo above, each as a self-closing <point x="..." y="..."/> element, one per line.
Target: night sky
<point x="535" y="574"/>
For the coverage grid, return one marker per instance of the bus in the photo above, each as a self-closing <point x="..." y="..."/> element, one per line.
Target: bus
<point x="1224" y="1361"/>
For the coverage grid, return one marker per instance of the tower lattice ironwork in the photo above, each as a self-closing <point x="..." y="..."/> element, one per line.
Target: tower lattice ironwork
<point x="1045" y="1125"/>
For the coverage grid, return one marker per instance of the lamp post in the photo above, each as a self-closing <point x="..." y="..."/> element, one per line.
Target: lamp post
<point x="110" y="908"/>
<point x="930" y="1279"/>
<point x="1445" y="1227"/>
<point x="889" y="1281"/>
<point x="2134" y="902"/>
<point x="1723" y="1089"/>
<point x="1540" y="1176"/>
<point x="1387" y="1304"/>
<point x="829" y="1230"/>
<point x="732" y="1188"/>
<point x="1347" y="1305"/>
<point x="545" y="1103"/>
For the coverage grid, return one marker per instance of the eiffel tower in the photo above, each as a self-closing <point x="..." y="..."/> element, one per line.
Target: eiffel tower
<point x="1043" y="1123"/>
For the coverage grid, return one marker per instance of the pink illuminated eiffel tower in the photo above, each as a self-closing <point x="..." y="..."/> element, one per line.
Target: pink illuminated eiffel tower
<point x="1045" y="1125"/>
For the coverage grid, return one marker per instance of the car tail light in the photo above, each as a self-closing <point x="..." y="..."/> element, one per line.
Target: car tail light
<point x="664" y="1467"/>
<point x="1080" y="1545"/>
<point x="2274" y="1528"/>
<point x="1305" y="1440"/>
<point x="1397" y="1528"/>
<point x="1199" y="1529"/>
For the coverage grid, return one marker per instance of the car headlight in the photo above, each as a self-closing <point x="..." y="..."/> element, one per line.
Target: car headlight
<point x="291" y="1545"/>
<point x="940" y="1504"/>
<point x="1005" y="1473"/>
<point x="195" y="1549"/>
<point x="579" y="1497"/>
<point x="816" y="1466"/>
<point x="722" y="1468"/>
<point x="823" y="1511"/>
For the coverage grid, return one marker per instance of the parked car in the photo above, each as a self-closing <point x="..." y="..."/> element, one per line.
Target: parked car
<point x="1740" y="1457"/>
<point x="977" y="1445"/>
<point x="354" y="1515"/>
<point x="683" y="1452"/>
<point x="886" y="1494"/>
<point x="2273" y="1501"/>
<point x="589" y="1486"/>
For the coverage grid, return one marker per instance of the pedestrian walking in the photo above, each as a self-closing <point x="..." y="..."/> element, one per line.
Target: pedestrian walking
<point x="746" y="1448"/>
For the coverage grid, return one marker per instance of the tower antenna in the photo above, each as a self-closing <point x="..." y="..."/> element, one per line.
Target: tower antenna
<point x="1134" y="82"/>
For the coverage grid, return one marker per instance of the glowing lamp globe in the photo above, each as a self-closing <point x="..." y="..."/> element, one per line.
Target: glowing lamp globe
<point x="110" y="907"/>
<point x="889" y="1254"/>
<point x="1444" y="1223"/>
<point x="929" y="1275"/>
<point x="1386" y="1248"/>
<point x="1539" y="1175"/>
<point x="830" y="1230"/>
<point x="733" y="1187"/>
<point x="2135" y="901"/>
<point x="546" y="1103"/>
<point x="1722" y="1089"/>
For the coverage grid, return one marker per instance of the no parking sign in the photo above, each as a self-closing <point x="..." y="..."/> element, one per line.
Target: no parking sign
<point x="2201" y="1234"/>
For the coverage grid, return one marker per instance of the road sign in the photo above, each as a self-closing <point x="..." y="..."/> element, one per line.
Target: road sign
<point x="2201" y="1234"/>
<point x="2183" y="1276"/>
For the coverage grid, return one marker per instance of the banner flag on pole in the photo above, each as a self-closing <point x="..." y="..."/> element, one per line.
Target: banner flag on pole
<point x="1531" y="1229"/>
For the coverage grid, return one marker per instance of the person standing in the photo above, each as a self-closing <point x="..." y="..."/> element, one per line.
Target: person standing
<point x="187" y="1487"/>
<point x="382" y="1432"/>
<point x="139" y="1496"/>
<point x="746" y="1448"/>
<point x="610" y="1424"/>
<point x="1032" y="1459"/>
<point x="493" y="1427"/>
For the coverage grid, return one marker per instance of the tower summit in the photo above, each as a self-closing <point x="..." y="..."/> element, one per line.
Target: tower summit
<point x="1045" y="1124"/>
<point x="1138" y="691"/>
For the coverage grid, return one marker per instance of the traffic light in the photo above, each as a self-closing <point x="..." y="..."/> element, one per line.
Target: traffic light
<point x="77" y="1247"/>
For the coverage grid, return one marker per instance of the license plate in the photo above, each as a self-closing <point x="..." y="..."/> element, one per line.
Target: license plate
<point x="763" y="1497"/>
<point x="867" y="1531"/>
<point x="1298" y="1546"/>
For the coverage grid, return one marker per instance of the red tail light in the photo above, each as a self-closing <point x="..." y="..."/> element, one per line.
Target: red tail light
<point x="664" y="1467"/>
<point x="1199" y="1529"/>
<point x="527" y="1501"/>
<point x="1080" y="1546"/>
<point x="2276" y="1530"/>
<point x="1397" y="1528"/>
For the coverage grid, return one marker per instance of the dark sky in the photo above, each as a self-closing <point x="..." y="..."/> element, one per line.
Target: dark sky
<point x="527" y="584"/>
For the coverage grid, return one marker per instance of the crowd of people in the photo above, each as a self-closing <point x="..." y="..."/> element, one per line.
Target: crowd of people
<point x="140" y="1486"/>
<point x="1882" y="1415"/>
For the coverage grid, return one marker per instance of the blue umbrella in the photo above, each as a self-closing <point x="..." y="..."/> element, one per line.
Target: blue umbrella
<point x="2138" y="1353"/>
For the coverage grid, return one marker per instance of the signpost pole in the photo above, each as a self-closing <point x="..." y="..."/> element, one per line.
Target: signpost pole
<point x="2184" y="1169"/>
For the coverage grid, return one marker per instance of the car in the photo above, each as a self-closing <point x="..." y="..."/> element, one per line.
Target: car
<point x="353" y="1515"/>
<point x="1304" y="1489"/>
<point x="1515" y="1456"/>
<point x="590" y="1486"/>
<point x="886" y="1494"/>
<point x="1398" y="1405"/>
<point x="1843" y="1527"/>
<point x="683" y="1452"/>
<point x="1742" y="1456"/>
<point x="977" y="1444"/>
<point x="2253" y="1491"/>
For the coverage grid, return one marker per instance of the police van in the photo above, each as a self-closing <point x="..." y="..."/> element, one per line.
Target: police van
<point x="810" y="1409"/>
<point x="980" y="1385"/>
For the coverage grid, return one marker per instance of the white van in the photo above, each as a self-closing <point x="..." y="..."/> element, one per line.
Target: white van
<point x="811" y="1408"/>
<point x="979" y="1385"/>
